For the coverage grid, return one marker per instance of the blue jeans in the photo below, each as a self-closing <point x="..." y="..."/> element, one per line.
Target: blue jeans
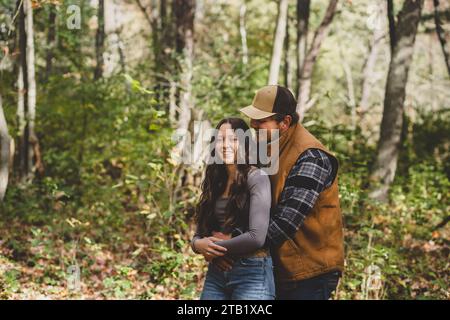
<point x="317" y="288"/>
<point x="249" y="279"/>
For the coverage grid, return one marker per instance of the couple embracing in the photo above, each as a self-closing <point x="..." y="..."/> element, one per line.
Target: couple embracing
<point x="270" y="235"/>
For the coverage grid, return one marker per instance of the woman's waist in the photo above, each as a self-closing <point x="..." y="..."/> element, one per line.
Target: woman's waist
<point x="259" y="253"/>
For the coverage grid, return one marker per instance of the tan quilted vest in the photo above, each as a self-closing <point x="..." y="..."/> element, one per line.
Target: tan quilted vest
<point x="318" y="246"/>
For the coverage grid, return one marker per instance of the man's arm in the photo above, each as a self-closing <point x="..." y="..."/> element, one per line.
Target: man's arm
<point x="312" y="173"/>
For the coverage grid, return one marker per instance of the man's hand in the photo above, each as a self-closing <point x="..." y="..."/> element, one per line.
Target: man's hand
<point x="223" y="263"/>
<point x="221" y="235"/>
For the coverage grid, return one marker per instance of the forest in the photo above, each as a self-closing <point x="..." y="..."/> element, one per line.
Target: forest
<point x="94" y="93"/>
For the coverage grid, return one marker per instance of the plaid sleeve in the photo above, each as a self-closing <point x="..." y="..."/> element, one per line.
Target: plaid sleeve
<point x="311" y="174"/>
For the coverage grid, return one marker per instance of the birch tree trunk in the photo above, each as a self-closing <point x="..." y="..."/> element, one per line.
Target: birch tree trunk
<point x="29" y="151"/>
<point x="114" y="54"/>
<point x="31" y="73"/>
<point x="34" y="156"/>
<point x="5" y="147"/>
<point x="385" y="165"/>
<point x="24" y="147"/>
<point x="243" y="32"/>
<point x="351" y="101"/>
<point x="112" y="9"/>
<point x="22" y="144"/>
<point x="304" y="102"/>
<point x="369" y="66"/>
<point x="280" y="34"/>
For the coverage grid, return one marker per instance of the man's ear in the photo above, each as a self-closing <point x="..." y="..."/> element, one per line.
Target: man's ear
<point x="286" y="123"/>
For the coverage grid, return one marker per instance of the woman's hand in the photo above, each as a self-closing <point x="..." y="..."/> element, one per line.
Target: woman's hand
<point x="208" y="248"/>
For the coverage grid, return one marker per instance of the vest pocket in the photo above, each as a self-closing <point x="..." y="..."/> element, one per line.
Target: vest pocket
<point x="294" y="246"/>
<point x="289" y="259"/>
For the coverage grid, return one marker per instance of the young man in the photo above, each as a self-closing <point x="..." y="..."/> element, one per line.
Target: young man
<point x="305" y="232"/>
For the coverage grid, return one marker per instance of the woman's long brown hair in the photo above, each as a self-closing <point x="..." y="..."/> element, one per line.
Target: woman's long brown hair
<point x="214" y="184"/>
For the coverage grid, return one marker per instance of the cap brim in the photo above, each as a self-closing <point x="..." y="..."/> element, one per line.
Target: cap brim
<point x="255" y="113"/>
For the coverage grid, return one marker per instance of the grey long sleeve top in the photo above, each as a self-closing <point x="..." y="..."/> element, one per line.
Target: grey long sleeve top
<point x="259" y="216"/>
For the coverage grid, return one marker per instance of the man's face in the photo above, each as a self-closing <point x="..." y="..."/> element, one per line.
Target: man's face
<point x="269" y="124"/>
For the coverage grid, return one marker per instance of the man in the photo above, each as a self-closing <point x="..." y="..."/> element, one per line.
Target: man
<point x="305" y="233"/>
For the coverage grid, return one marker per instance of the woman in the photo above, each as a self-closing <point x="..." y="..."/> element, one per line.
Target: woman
<point x="234" y="196"/>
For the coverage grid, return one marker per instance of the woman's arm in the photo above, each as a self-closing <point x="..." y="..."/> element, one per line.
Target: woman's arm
<point x="194" y="238"/>
<point x="259" y="216"/>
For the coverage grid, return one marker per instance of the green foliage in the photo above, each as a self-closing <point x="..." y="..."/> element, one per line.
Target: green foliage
<point x="119" y="285"/>
<point x="9" y="281"/>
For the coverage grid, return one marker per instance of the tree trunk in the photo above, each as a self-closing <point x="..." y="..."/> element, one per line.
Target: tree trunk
<point x="118" y="39"/>
<point x="302" y="37"/>
<point x="288" y="77"/>
<point x="280" y="34"/>
<point x="184" y="14"/>
<point x="22" y="141"/>
<point x="351" y="101"/>
<point x="385" y="165"/>
<point x="441" y="35"/>
<point x="164" y="62"/>
<point x="391" y="19"/>
<point x="162" y="44"/>
<point x="243" y="32"/>
<point x="304" y="102"/>
<point x="51" y="41"/>
<point x="5" y="147"/>
<point x="369" y="66"/>
<point x="184" y="11"/>
<point x="22" y="104"/>
<point x="34" y="156"/>
<point x="173" y="102"/>
<point x="100" y="41"/>
<point x="29" y="151"/>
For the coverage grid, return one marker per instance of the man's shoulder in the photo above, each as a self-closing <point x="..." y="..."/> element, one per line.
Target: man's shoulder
<point x="312" y="159"/>
<point x="315" y="155"/>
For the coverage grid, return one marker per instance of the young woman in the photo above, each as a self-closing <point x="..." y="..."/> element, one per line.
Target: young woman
<point x="234" y="197"/>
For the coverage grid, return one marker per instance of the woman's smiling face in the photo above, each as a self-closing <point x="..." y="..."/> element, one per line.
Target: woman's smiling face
<point x="227" y="144"/>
